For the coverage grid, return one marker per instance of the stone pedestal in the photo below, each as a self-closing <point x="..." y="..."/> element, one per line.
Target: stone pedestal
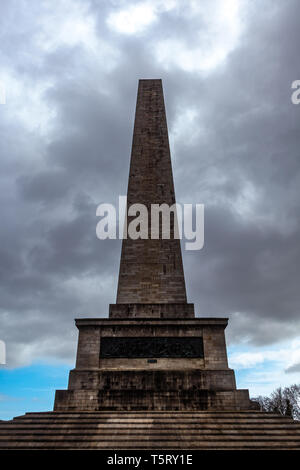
<point x="151" y="364"/>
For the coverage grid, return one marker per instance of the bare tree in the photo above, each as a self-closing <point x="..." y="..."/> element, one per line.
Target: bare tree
<point x="285" y="401"/>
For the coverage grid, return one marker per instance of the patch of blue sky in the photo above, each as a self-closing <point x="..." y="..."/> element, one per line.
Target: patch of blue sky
<point x="30" y="388"/>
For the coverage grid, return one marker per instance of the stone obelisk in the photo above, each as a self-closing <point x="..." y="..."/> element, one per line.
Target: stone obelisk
<point x="151" y="270"/>
<point x="151" y="353"/>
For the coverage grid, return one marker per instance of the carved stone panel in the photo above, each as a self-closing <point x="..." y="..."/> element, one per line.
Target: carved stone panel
<point x="147" y="347"/>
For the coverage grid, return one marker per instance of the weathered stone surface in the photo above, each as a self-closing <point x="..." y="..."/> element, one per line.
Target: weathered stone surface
<point x="165" y="383"/>
<point x="151" y="430"/>
<point x="151" y="271"/>
<point x="163" y="310"/>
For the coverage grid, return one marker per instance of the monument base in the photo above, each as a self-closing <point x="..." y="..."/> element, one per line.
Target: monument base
<point x="131" y="399"/>
<point x="127" y="364"/>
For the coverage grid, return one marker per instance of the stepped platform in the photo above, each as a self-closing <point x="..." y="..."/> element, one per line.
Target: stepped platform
<point x="199" y="430"/>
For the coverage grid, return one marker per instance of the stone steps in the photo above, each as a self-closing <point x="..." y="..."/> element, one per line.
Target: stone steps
<point x="154" y="414"/>
<point x="150" y="430"/>
<point x="90" y="434"/>
<point x="141" y="427"/>
<point x="144" y="417"/>
<point x="150" y="422"/>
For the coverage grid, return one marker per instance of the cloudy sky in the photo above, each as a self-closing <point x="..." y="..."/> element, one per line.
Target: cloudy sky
<point x="69" y="72"/>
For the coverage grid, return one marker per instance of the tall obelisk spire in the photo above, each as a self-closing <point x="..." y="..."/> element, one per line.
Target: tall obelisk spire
<point x="151" y="271"/>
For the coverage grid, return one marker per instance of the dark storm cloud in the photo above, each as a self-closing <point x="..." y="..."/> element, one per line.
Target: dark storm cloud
<point x="250" y="262"/>
<point x="292" y="369"/>
<point x="239" y="155"/>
